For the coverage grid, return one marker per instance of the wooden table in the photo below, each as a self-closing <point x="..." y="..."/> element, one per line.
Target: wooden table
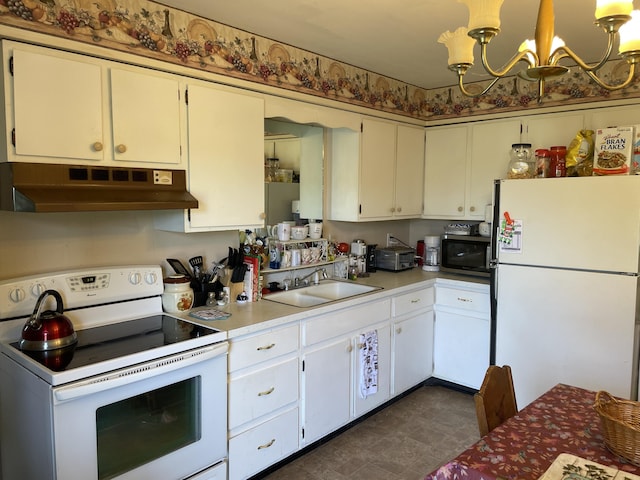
<point x="562" y="420"/>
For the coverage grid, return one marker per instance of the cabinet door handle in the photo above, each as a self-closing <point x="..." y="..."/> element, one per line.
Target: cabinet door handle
<point x="461" y="299"/>
<point x="97" y="146"/>
<point x="416" y="300"/>
<point x="360" y="346"/>
<point x="121" y="148"/>
<point x="460" y="209"/>
<point x="267" y="392"/>
<point x="266" y="347"/>
<point x="267" y="445"/>
<point x="399" y="209"/>
<point x="349" y="348"/>
<point x="473" y="209"/>
<point x="399" y="330"/>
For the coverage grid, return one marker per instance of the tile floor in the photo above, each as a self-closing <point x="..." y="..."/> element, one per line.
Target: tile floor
<point x="405" y="441"/>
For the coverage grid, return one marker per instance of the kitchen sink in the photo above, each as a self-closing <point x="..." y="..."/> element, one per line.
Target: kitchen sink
<point x="325" y="292"/>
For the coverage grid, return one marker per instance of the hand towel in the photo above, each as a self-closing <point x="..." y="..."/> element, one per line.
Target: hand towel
<point x="368" y="354"/>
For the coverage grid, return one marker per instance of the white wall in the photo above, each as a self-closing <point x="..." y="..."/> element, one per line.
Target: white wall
<point x="33" y="243"/>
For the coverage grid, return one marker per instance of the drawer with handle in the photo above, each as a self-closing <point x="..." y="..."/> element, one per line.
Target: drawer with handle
<point x="413" y="301"/>
<point x="475" y="301"/>
<point x="260" y="348"/>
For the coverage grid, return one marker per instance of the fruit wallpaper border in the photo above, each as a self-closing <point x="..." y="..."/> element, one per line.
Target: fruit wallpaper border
<point x="152" y="30"/>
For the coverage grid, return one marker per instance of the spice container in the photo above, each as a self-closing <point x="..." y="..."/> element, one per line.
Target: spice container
<point x="558" y="162"/>
<point x="178" y="294"/>
<point x="521" y="165"/>
<point x="542" y="163"/>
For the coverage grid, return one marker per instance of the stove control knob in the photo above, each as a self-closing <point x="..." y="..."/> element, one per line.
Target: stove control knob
<point x="17" y="295"/>
<point x="37" y="289"/>
<point x="135" y="278"/>
<point x="151" y="278"/>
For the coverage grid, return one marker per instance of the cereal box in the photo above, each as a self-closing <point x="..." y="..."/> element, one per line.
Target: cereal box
<point x="635" y="160"/>
<point x="613" y="151"/>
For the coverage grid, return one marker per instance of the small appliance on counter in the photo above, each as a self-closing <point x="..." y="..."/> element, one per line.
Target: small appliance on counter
<point x="431" y="262"/>
<point x="395" y="259"/>
<point x="358" y="256"/>
<point x="371" y="257"/>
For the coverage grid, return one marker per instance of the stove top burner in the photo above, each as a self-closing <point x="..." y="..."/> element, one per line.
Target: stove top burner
<point x="116" y="340"/>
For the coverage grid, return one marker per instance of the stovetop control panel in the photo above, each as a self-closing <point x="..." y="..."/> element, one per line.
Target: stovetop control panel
<point x="80" y="288"/>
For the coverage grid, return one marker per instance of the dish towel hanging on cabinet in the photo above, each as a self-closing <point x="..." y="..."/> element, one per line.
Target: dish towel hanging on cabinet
<point x="368" y="363"/>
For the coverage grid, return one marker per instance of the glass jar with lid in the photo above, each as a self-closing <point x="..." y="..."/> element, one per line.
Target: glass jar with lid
<point x="521" y="165"/>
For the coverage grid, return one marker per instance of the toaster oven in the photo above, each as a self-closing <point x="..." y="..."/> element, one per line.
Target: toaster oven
<point x="395" y="258"/>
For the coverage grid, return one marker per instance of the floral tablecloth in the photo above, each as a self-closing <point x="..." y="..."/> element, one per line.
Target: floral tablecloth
<point x="562" y="420"/>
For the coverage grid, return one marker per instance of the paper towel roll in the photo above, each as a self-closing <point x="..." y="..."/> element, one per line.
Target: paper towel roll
<point x="488" y="213"/>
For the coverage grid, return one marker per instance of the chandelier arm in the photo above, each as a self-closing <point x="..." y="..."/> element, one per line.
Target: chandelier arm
<point x="474" y="95"/>
<point x="626" y="83"/>
<point x="524" y="56"/>
<point x="564" y="51"/>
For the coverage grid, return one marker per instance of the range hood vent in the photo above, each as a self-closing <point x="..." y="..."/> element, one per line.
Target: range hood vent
<point x="37" y="187"/>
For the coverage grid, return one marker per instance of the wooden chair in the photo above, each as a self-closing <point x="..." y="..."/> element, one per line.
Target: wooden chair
<point x="496" y="399"/>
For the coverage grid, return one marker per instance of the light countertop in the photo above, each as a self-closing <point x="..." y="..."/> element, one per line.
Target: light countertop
<point x="264" y="314"/>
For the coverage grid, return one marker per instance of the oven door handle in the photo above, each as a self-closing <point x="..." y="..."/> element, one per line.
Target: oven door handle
<point x="136" y="373"/>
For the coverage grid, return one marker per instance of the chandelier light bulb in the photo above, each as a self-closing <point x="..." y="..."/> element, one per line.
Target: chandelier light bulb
<point x="483" y="13"/>
<point x="609" y="8"/>
<point x="459" y="44"/>
<point x="630" y="34"/>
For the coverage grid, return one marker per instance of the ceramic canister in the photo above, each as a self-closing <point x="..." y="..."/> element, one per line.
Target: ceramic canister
<point x="178" y="294"/>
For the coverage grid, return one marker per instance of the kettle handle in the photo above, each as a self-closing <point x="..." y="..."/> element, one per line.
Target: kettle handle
<point x="34" y="319"/>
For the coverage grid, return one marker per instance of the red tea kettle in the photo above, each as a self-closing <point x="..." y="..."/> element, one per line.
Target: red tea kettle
<point x="48" y="330"/>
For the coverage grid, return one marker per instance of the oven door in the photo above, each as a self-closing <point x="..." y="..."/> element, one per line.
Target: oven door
<point x="162" y="419"/>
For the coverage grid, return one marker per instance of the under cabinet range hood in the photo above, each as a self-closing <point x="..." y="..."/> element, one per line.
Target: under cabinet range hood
<point x="37" y="187"/>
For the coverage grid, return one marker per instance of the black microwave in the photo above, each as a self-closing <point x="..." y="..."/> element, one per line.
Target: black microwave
<point x="467" y="254"/>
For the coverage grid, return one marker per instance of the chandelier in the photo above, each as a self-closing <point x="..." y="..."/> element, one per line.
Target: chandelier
<point x="542" y="54"/>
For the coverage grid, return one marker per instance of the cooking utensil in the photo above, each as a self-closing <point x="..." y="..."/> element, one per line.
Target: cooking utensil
<point x="178" y="267"/>
<point x="48" y="330"/>
<point x="196" y="263"/>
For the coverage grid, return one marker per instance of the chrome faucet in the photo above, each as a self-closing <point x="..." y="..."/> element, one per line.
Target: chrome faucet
<point x="316" y="277"/>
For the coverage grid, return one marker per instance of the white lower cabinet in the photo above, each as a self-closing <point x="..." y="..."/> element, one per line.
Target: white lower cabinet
<point x="263" y="400"/>
<point x="331" y="367"/>
<point x="256" y="449"/>
<point x="412" y="333"/>
<point x="462" y="334"/>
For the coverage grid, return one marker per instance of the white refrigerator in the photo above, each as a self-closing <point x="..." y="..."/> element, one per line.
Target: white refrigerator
<point x="565" y="283"/>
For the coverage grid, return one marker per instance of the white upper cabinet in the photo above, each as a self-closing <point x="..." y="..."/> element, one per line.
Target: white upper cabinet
<point x="145" y="112"/>
<point x="462" y="161"/>
<point x="447" y="150"/>
<point x="68" y="108"/>
<point x="373" y="172"/>
<point x="226" y="161"/>
<point x="56" y="105"/>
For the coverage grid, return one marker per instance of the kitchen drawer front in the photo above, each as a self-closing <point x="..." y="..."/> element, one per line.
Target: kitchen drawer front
<point x="342" y="322"/>
<point x="262" y="446"/>
<point x="463" y="299"/>
<point x="262" y="391"/>
<point x="413" y="301"/>
<point x="263" y="347"/>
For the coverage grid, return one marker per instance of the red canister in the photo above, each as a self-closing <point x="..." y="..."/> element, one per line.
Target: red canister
<point x="542" y="163"/>
<point x="558" y="162"/>
<point x="420" y="252"/>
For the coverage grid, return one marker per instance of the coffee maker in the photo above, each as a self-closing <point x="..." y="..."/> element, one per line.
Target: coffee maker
<point x="358" y="257"/>
<point x="431" y="262"/>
